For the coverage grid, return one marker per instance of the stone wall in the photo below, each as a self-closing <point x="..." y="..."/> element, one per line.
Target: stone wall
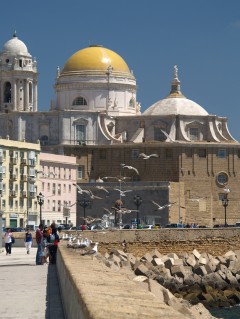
<point x="214" y="241"/>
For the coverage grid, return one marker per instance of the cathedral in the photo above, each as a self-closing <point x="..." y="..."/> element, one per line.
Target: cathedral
<point x="174" y="152"/>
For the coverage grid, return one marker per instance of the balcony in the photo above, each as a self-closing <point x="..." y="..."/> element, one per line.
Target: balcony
<point x="13" y="160"/>
<point x="23" y="178"/>
<point x="31" y="162"/>
<point x="23" y="161"/>
<point x="24" y="194"/>
<point x="12" y="194"/>
<point x="13" y="177"/>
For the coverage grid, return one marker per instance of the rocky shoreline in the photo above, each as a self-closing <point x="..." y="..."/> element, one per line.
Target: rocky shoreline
<point x="190" y="283"/>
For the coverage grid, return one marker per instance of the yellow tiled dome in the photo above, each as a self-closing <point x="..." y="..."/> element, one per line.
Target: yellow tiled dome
<point x="95" y="58"/>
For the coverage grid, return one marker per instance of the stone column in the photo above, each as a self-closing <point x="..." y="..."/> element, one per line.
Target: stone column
<point x="35" y="92"/>
<point x="26" y="98"/>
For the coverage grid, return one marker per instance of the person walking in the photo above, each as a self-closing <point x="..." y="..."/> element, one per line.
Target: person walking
<point x="28" y="240"/>
<point x="8" y="241"/>
<point x="39" y="234"/>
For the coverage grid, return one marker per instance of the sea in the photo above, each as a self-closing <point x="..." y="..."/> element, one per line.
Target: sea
<point x="226" y="313"/>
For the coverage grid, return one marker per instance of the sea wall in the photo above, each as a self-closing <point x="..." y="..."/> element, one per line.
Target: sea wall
<point x="215" y="241"/>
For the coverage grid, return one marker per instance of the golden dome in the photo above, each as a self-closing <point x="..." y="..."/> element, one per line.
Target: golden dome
<point x="96" y="59"/>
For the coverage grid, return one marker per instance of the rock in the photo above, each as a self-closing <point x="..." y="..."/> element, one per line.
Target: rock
<point x="157" y="261"/>
<point x="196" y="254"/>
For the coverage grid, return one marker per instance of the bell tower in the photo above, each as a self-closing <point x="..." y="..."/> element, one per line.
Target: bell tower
<point x="18" y="78"/>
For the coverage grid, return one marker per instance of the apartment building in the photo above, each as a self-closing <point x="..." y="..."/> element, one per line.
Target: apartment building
<point x="19" y="162"/>
<point x="58" y="174"/>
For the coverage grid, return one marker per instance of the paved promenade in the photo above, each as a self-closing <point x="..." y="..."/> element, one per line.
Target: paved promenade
<point x="28" y="291"/>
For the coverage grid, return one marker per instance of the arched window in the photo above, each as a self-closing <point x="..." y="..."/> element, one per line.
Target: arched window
<point x="7" y="92"/>
<point x="79" y="101"/>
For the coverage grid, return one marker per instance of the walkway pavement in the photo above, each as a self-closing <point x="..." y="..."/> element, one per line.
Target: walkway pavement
<point x="28" y="291"/>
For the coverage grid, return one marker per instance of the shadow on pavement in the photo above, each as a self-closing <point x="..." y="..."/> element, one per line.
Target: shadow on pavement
<point x="54" y="307"/>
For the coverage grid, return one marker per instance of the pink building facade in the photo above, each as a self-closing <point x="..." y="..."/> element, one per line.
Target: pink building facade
<point x="57" y="175"/>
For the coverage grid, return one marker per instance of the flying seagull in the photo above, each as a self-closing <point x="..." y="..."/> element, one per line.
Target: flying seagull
<point x="144" y="156"/>
<point x="122" y="193"/>
<point x="130" y="167"/>
<point x="168" y="136"/>
<point x="80" y="190"/>
<point x="93" y="196"/>
<point x="164" y="206"/>
<point x="103" y="188"/>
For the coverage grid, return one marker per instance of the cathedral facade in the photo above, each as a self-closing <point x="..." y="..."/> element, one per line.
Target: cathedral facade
<point x="96" y="118"/>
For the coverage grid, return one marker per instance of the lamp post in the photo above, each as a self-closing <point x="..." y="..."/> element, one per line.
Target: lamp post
<point x="84" y="203"/>
<point x="40" y="200"/>
<point x="138" y="201"/>
<point x="225" y="201"/>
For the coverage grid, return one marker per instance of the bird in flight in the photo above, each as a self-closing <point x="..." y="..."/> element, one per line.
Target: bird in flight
<point x="80" y="190"/>
<point x="100" y="180"/>
<point x="123" y="210"/>
<point x="90" y="193"/>
<point x="130" y="167"/>
<point x="164" y="206"/>
<point x="90" y="220"/>
<point x="103" y="188"/>
<point x="144" y="156"/>
<point x="108" y="211"/>
<point x="122" y="193"/>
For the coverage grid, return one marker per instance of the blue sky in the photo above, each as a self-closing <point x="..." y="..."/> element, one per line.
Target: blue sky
<point x="202" y="37"/>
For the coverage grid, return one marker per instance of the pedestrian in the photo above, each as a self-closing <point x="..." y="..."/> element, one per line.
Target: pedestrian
<point x="39" y="234"/>
<point x="8" y="241"/>
<point x="44" y="252"/>
<point x="53" y="241"/>
<point x="28" y="240"/>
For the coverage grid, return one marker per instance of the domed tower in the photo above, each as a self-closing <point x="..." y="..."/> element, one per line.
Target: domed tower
<point x="18" y="78"/>
<point x="96" y="79"/>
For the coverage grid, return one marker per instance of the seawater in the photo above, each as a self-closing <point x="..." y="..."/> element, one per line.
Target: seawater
<point x="226" y="313"/>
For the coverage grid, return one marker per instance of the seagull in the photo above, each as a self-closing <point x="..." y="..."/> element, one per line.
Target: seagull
<point x="122" y="193"/>
<point x="164" y="206"/>
<point x="42" y="172"/>
<point x="80" y="190"/>
<point x="226" y="190"/>
<point x="108" y="211"/>
<point x="123" y="210"/>
<point x="90" y="220"/>
<point x="103" y="188"/>
<point x="93" y="196"/>
<point x="91" y="251"/>
<point x="66" y="204"/>
<point x="131" y="167"/>
<point x="144" y="156"/>
<point x="100" y="180"/>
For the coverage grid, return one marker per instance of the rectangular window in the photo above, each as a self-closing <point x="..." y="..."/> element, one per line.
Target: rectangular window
<point x="80" y="172"/>
<point x="11" y="203"/>
<point x="3" y="204"/>
<point x="43" y="186"/>
<point x="135" y="153"/>
<point x="59" y="189"/>
<point x="69" y="188"/>
<point x="53" y="188"/>
<point x="202" y="152"/>
<point x="59" y="205"/>
<point x="193" y="134"/>
<point x="53" y="206"/>
<point x="48" y="187"/>
<point x="21" y="203"/>
<point x="222" y="153"/>
<point x="64" y="188"/>
<point x="80" y="133"/>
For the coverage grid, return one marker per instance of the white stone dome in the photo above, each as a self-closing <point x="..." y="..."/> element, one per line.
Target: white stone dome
<point x="176" y="103"/>
<point x="15" y="47"/>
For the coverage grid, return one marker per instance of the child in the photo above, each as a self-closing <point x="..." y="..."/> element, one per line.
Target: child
<point x="28" y="240"/>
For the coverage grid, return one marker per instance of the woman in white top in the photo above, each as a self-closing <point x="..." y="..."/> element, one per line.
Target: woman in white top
<point x="8" y="241"/>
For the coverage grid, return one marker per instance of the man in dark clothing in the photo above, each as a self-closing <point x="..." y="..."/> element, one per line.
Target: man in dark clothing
<point x="39" y="233"/>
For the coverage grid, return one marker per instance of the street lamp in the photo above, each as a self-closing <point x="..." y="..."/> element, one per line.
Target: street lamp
<point x="40" y="200"/>
<point x="84" y="203"/>
<point x="138" y="201"/>
<point x="225" y="201"/>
